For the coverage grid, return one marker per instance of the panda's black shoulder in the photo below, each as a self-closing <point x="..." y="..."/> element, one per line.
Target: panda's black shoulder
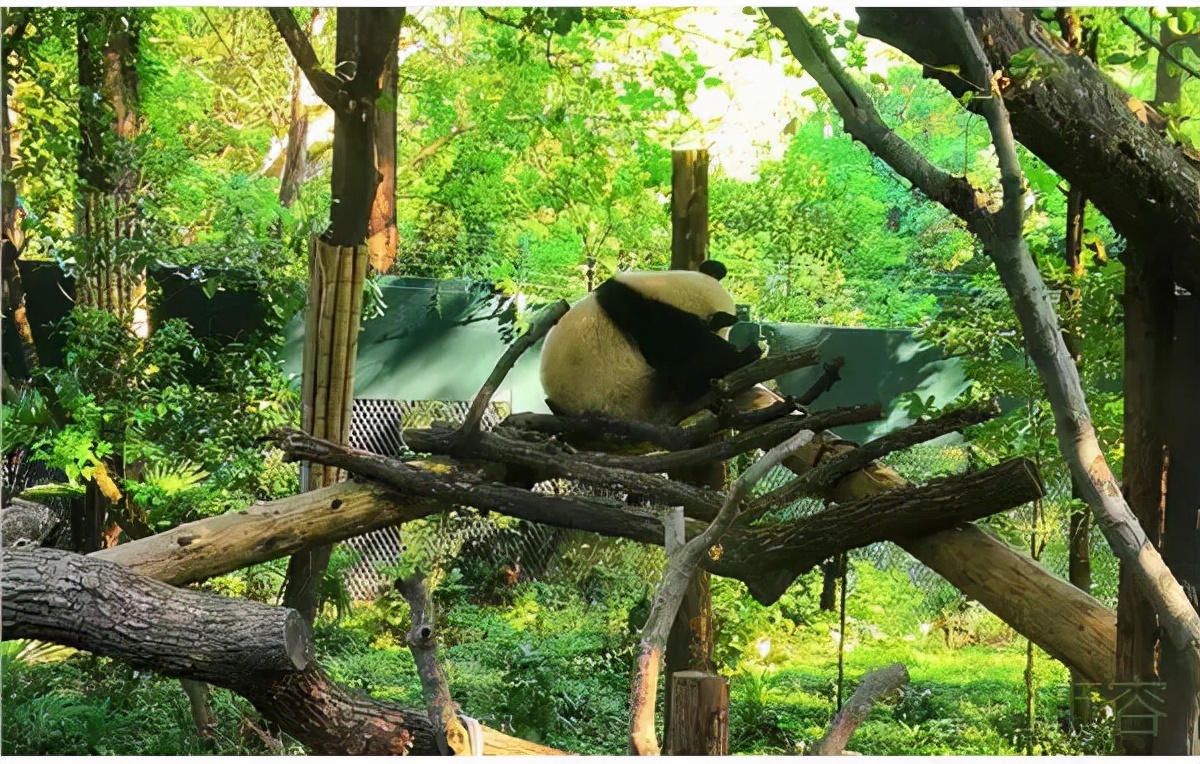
<point x="679" y="346"/>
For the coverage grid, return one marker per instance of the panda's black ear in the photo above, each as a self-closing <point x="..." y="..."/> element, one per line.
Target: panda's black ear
<point x="714" y="268"/>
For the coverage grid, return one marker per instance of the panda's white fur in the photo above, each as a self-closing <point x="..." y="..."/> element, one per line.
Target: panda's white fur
<point x="587" y="364"/>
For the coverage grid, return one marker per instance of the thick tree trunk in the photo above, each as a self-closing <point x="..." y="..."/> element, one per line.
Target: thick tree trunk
<point x="102" y="607"/>
<point x="366" y="39"/>
<point x="260" y="652"/>
<point x="382" y="236"/>
<point x="1149" y="307"/>
<point x="1179" y="732"/>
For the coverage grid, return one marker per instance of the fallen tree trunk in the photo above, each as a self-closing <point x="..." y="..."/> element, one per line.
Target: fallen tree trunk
<point x="93" y="605"/>
<point x="263" y="653"/>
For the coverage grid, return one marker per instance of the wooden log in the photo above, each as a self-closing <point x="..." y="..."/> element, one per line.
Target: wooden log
<point x="1069" y="624"/>
<point x="790" y="549"/>
<point x="700" y="714"/>
<point x="823" y="476"/>
<point x="768" y="558"/>
<point x="263" y="653"/>
<point x="872" y="686"/>
<point x="99" y="606"/>
<point x="213" y="546"/>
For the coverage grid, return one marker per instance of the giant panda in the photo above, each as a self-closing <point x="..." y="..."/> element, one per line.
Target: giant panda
<point x="644" y="345"/>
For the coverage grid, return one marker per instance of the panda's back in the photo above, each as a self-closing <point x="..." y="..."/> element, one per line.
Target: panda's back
<point x="689" y="291"/>
<point x="590" y="366"/>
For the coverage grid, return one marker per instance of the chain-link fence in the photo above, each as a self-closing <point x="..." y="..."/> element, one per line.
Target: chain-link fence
<point x="551" y="554"/>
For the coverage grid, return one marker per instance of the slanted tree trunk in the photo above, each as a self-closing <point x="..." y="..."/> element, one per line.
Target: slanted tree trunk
<point x="295" y="162"/>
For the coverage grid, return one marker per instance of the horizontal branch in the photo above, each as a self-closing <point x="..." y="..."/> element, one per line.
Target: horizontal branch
<point x="551" y="460"/>
<point x="606" y="429"/>
<point x="765" y="436"/>
<point x="266" y="531"/>
<point x="769" y="557"/>
<point x="105" y="608"/>
<point x="768" y="367"/>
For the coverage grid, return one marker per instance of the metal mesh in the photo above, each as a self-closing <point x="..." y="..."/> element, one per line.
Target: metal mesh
<point x="464" y="536"/>
<point x="376" y="425"/>
<point x="552" y="554"/>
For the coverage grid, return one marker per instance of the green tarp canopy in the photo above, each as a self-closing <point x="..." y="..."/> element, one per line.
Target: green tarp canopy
<point x="438" y="340"/>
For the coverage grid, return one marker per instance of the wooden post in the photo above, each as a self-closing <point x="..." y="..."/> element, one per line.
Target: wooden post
<point x="1149" y="294"/>
<point x="336" y="276"/>
<point x="1179" y="732"/>
<point x="700" y="713"/>
<point x="689" y="646"/>
<point x="689" y="208"/>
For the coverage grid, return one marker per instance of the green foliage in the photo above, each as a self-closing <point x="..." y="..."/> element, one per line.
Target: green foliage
<point x="189" y="449"/>
<point x="94" y="706"/>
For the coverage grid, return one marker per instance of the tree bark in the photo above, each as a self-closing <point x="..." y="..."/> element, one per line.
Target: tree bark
<point x="102" y="607"/>
<point x="689" y="208"/>
<point x="700" y="707"/>
<point x="383" y="238"/>
<point x="260" y="652"/>
<point x="366" y="38"/>
<point x="296" y="157"/>
<point x="1179" y="732"/>
<point x="1149" y="301"/>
